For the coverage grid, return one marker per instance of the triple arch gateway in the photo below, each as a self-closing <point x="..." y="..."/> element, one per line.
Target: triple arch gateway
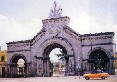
<point x="82" y="53"/>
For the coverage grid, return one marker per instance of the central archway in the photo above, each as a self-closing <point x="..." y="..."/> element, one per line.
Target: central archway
<point x="56" y="65"/>
<point x="68" y="54"/>
<point x="49" y="48"/>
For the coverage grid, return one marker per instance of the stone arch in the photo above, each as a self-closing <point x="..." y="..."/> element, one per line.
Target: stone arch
<point x="59" y="40"/>
<point x="16" y="70"/>
<point x="16" y="57"/>
<point x="50" y="47"/>
<point x="100" y="49"/>
<point x="98" y="59"/>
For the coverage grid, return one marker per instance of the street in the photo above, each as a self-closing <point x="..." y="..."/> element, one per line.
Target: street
<point x="112" y="78"/>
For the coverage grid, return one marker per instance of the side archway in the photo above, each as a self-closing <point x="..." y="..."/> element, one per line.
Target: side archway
<point x="17" y="66"/>
<point x="98" y="59"/>
<point x="16" y="57"/>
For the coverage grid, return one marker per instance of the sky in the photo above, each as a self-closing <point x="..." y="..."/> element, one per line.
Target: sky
<point x="22" y="19"/>
<point x="53" y="55"/>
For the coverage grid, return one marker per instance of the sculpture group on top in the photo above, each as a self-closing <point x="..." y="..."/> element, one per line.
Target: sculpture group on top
<point x="56" y="12"/>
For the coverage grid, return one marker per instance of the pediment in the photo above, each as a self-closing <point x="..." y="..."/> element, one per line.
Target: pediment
<point x="72" y="33"/>
<point x="39" y="34"/>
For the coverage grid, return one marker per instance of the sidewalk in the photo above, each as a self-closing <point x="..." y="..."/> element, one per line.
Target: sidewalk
<point x="112" y="78"/>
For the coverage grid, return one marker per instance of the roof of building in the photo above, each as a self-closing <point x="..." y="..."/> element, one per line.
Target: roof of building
<point x="98" y="34"/>
<point x="23" y="41"/>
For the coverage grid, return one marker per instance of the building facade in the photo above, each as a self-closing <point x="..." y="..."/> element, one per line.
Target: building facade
<point x="82" y="53"/>
<point x="3" y="63"/>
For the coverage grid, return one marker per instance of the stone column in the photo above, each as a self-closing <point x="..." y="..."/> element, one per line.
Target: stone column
<point x="67" y="67"/>
<point x="112" y="69"/>
<point x="71" y="66"/>
<point x="42" y="67"/>
<point x="47" y="67"/>
<point x="26" y="69"/>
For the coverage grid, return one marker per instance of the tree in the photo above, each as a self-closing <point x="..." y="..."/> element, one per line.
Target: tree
<point x="61" y="56"/>
<point x="62" y="66"/>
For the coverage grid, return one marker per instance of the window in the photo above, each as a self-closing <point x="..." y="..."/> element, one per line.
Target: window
<point x="2" y="58"/>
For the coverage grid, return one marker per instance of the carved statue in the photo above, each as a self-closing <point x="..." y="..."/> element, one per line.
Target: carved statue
<point x="55" y="12"/>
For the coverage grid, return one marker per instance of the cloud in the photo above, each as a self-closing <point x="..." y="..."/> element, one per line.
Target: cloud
<point x="4" y="30"/>
<point x="82" y="23"/>
<point x="53" y="55"/>
<point x="4" y="24"/>
<point x="26" y="30"/>
<point x="12" y="30"/>
<point x="85" y="23"/>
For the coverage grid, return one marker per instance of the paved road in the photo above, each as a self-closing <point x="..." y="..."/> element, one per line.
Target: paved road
<point x="112" y="78"/>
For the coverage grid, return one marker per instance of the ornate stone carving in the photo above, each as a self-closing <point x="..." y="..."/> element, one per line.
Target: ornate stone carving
<point x="54" y="30"/>
<point x="55" y="12"/>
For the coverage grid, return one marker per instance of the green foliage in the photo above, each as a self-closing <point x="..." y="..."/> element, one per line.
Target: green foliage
<point x="99" y="66"/>
<point x="62" y="66"/>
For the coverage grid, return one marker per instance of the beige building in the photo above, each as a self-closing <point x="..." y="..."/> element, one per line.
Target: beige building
<point x="3" y="63"/>
<point x="115" y="60"/>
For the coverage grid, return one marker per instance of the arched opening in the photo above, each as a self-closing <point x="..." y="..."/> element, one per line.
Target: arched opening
<point x="18" y="66"/>
<point x="57" y="62"/>
<point x="98" y="59"/>
<point x="58" y="59"/>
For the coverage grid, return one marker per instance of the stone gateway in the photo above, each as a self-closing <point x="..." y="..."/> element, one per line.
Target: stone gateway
<point x="82" y="53"/>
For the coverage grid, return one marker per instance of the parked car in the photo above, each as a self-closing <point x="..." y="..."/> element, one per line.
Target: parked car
<point x="96" y="75"/>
